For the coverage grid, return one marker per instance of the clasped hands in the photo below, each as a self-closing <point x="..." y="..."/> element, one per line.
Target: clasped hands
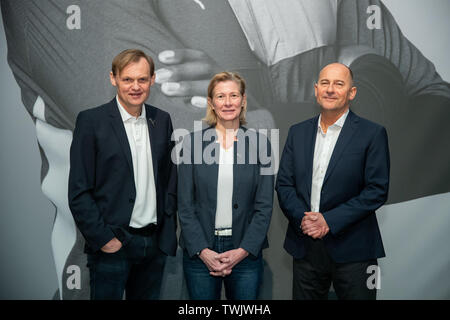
<point x="221" y="264"/>
<point x="314" y="225"/>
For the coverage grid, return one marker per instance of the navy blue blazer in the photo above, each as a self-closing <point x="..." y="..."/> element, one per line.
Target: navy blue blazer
<point x="197" y="193"/>
<point x="355" y="185"/>
<point x="101" y="179"/>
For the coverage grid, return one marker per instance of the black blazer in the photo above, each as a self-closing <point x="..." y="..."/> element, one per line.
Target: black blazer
<point x="355" y="185"/>
<point x="252" y="193"/>
<point x="101" y="179"/>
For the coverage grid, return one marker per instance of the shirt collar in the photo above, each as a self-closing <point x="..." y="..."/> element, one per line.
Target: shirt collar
<point x="339" y="122"/>
<point x="125" y="115"/>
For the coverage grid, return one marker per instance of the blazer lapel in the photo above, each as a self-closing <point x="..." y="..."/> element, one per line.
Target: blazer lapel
<point x="237" y="168"/>
<point x="150" y="114"/>
<point x="212" y="170"/>
<point x="119" y="130"/>
<point x="309" y="153"/>
<point x="345" y="136"/>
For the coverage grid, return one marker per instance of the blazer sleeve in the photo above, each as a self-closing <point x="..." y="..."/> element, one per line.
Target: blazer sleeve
<point x="374" y="193"/>
<point x="171" y="199"/>
<point x="191" y="229"/>
<point x="256" y="232"/>
<point x="293" y="208"/>
<point x="81" y="185"/>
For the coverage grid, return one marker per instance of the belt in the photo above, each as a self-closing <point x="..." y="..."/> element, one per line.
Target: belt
<point x="223" y="232"/>
<point x="144" y="231"/>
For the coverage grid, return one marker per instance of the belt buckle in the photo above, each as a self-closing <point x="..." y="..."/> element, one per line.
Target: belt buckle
<point x="223" y="232"/>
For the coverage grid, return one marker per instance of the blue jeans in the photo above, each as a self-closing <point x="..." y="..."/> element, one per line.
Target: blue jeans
<point x="242" y="284"/>
<point x="136" y="268"/>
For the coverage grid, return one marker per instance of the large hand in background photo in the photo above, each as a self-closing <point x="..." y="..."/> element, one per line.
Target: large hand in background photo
<point x="187" y="73"/>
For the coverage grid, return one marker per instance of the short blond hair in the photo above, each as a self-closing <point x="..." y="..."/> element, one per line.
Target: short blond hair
<point x="211" y="117"/>
<point x="128" y="56"/>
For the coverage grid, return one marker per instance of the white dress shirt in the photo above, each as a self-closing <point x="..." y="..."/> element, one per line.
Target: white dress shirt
<point x="144" y="210"/>
<point x="325" y="143"/>
<point x="224" y="209"/>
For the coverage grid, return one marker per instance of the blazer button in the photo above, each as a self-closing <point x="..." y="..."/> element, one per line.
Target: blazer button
<point x="131" y="200"/>
<point x="235" y="206"/>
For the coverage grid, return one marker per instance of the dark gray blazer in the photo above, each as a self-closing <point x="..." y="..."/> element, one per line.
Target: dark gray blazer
<point x="356" y="184"/>
<point x="197" y="192"/>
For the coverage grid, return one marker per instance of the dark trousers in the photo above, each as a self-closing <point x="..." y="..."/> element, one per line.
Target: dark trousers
<point x="313" y="275"/>
<point x="135" y="269"/>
